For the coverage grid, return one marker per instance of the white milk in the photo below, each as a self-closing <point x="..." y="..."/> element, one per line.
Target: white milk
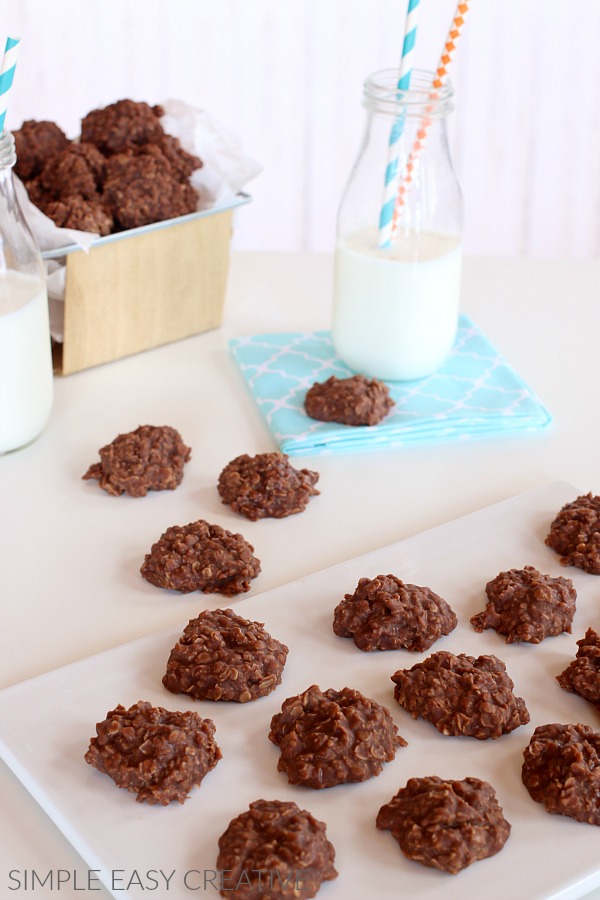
<point x="395" y="310"/>
<point x="25" y="359"/>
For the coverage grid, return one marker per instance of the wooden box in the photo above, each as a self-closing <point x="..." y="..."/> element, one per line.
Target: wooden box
<point x="146" y="287"/>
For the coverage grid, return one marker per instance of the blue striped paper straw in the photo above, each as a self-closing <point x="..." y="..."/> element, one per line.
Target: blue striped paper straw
<point x="391" y="172"/>
<point x="7" y="71"/>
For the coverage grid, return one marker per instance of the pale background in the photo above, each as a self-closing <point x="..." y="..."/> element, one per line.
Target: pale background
<point x="286" y="76"/>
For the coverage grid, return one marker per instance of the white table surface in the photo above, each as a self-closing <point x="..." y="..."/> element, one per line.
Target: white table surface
<point x="70" y="583"/>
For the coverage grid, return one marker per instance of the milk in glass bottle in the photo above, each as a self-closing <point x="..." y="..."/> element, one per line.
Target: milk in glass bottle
<point x="397" y="283"/>
<point x="26" y="378"/>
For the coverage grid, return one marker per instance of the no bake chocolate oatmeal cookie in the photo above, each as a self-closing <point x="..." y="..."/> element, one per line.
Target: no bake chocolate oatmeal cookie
<point x="221" y="656"/>
<point x="151" y="458"/>
<point x="561" y="769"/>
<point x="201" y="557"/>
<point x="582" y="675"/>
<point x="575" y="534"/>
<point x="142" y="187"/>
<point x="35" y="143"/>
<point x="78" y="169"/>
<point x="349" y="401"/>
<point x="333" y="737"/>
<point x="123" y="125"/>
<point x="75" y="211"/>
<point x="446" y="824"/>
<point x="266" y="486"/>
<point x="275" y="850"/>
<point x="527" y="606"/>
<point x="154" y="753"/>
<point x="461" y="695"/>
<point x="384" y="613"/>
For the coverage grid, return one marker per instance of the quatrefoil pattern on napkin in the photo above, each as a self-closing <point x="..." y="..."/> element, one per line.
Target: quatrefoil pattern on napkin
<point x="476" y="392"/>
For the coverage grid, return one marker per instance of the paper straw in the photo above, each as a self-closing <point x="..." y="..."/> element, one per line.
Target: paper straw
<point x="391" y="173"/>
<point x="7" y="71"/>
<point x="441" y="76"/>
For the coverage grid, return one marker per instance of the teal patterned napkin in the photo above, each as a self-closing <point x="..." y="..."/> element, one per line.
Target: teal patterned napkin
<point x="475" y="393"/>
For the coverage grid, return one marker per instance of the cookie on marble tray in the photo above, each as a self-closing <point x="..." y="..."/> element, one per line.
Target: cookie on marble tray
<point x="582" y="675"/>
<point x="201" y="557"/>
<point x="266" y="486"/>
<point x="155" y="753"/>
<point x="575" y="533"/>
<point x="446" y="824"/>
<point x="525" y="605"/>
<point x="275" y="850"/>
<point x="222" y="656"/>
<point x="461" y="695"/>
<point x="384" y="613"/>
<point x="561" y="770"/>
<point x="151" y="458"/>
<point x="333" y="737"/>
<point x="350" y="401"/>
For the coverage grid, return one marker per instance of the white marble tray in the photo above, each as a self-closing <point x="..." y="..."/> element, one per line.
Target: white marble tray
<point x="46" y="724"/>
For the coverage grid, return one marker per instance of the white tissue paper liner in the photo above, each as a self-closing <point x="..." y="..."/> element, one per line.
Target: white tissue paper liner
<point x="225" y="171"/>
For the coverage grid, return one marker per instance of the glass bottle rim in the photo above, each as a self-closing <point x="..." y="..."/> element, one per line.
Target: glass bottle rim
<point x="421" y="99"/>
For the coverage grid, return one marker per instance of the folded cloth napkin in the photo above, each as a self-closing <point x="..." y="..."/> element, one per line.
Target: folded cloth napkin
<point x="475" y="393"/>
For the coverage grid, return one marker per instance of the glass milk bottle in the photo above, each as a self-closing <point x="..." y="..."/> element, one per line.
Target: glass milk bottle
<point x="26" y="378"/>
<point x="398" y="252"/>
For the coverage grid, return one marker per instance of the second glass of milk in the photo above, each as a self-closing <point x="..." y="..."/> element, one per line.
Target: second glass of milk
<point x="26" y="378"/>
<point x="398" y="254"/>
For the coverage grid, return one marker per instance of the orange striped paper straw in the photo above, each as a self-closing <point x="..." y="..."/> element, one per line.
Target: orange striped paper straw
<point x="440" y="77"/>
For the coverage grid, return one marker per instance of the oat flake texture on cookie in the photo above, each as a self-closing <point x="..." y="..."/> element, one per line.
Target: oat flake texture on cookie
<point x="446" y="824"/>
<point x="155" y="753"/>
<point x="266" y="486"/>
<point x="201" y="557"/>
<point x="461" y="695"/>
<point x="333" y="737"/>
<point x="277" y="850"/>
<point x="525" y="605"/>
<point x="575" y="534"/>
<point x="151" y="458"/>
<point x="221" y="656"/>
<point x="384" y="613"/>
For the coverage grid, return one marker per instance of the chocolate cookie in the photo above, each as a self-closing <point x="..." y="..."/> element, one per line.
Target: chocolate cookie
<point x="582" y="676"/>
<point x="201" y="557"/>
<point x="349" y="401"/>
<point x="266" y="485"/>
<point x="575" y="534"/>
<point x="122" y="125"/>
<point x="75" y="211"/>
<point x="35" y="142"/>
<point x="144" y="187"/>
<point x="275" y="850"/>
<point x="221" y="656"/>
<point x="446" y="824"/>
<point x="154" y="753"/>
<point x="78" y="169"/>
<point x="461" y="695"/>
<point x="151" y="458"/>
<point x="333" y="737"/>
<point x="561" y="769"/>
<point x="525" y="605"/>
<point x="384" y="613"/>
<point x="182" y="162"/>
